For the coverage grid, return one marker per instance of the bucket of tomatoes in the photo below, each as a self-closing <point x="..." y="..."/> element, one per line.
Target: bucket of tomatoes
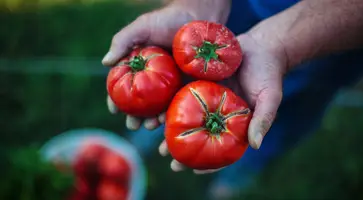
<point x="104" y="165"/>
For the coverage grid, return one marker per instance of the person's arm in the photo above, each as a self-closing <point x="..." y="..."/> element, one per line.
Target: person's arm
<point x="314" y="28"/>
<point x="211" y="10"/>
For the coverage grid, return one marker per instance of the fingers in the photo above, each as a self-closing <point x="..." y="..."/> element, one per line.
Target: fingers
<point x="265" y="112"/>
<point x="133" y="123"/>
<point x="151" y="123"/>
<point x="208" y="171"/>
<point x="163" y="149"/>
<point x="162" y="118"/>
<point x="177" y="166"/>
<point x="135" y="33"/>
<point x="112" y="108"/>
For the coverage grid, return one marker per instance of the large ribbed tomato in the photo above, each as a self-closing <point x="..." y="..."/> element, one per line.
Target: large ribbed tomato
<point x="207" y="50"/>
<point x="144" y="83"/>
<point x="206" y="126"/>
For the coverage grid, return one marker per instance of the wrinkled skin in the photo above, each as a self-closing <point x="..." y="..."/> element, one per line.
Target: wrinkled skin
<point x="144" y="88"/>
<point x="207" y="50"/>
<point x="189" y="131"/>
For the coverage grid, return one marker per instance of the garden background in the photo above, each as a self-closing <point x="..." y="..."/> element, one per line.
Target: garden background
<point x="52" y="80"/>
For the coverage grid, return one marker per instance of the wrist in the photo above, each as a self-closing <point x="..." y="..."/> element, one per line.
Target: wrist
<point x="211" y="10"/>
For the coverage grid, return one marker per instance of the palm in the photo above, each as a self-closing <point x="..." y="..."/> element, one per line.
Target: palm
<point x="259" y="82"/>
<point x="259" y="72"/>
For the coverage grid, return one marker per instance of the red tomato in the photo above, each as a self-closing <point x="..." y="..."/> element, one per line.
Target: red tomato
<point x="109" y="190"/>
<point x="144" y="83"/>
<point x="114" y="166"/>
<point x="77" y="196"/>
<point x="86" y="162"/>
<point x="206" y="126"/>
<point x="82" y="186"/>
<point x="207" y="50"/>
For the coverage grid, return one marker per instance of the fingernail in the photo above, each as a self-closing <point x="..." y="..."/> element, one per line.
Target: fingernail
<point x="258" y="140"/>
<point x="108" y="58"/>
<point x="151" y="124"/>
<point x="161" y="118"/>
<point x="208" y="171"/>
<point x="132" y="123"/>
<point x="176" y="166"/>
<point x="112" y="108"/>
<point x="163" y="149"/>
<point x="256" y="132"/>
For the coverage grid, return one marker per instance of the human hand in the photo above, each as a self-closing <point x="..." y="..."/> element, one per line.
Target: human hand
<point x="259" y="82"/>
<point x="158" y="28"/>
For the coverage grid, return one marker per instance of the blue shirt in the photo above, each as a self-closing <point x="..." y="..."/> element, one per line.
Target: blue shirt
<point x="267" y="8"/>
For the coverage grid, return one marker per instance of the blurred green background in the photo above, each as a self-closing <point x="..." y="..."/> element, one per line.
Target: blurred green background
<point x="52" y="80"/>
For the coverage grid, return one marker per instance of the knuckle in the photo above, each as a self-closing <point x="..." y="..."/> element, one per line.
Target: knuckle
<point x="268" y="118"/>
<point x="115" y="39"/>
<point x="143" y="18"/>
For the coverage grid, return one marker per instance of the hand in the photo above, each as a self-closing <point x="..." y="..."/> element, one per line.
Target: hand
<point x="158" y="28"/>
<point x="259" y="82"/>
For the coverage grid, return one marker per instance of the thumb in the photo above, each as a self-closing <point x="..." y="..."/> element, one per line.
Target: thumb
<point x="264" y="114"/>
<point x="135" y="33"/>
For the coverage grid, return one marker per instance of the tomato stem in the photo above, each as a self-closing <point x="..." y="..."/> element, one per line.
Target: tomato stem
<point x="208" y="52"/>
<point x="214" y="123"/>
<point x="137" y="63"/>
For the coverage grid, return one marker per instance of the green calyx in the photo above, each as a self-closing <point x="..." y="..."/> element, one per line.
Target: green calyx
<point x="214" y="123"/>
<point x="207" y="51"/>
<point x="137" y="63"/>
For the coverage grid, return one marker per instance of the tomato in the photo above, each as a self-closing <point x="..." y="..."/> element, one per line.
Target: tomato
<point x="86" y="161"/>
<point x="114" y="166"/>
<point x="77" y="196"/>
<point x="207" y="50"/>
<point x="109" y="190"/>
<point x="144" y="83"/>
<point x="83" y="186"/>
<point x="206" y="126"/>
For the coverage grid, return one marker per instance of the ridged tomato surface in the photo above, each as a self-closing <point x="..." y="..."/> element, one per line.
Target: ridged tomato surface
<point x="207" y="50"/>
<point x="144" y="83"/>
<point x="206" y="126"/>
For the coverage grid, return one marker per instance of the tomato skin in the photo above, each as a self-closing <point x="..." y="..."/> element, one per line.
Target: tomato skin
<point x="109" y="190"/>
<point x="192" y="35"/>
<point x="148" y="92"/>
<point x="86" y="162"/>
<point x="78" y="196"/>
<point x="201" y="149"/>
<point x="113" y="166"/>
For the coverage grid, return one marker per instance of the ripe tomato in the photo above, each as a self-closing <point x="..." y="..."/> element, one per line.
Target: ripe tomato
<point x="144" y="83"/>
<point x="112" y="165"/>
<point x="77" y="196"/>
<point x="86" y="161"/>
<point x="206" y="126"/>
<point x="207" y="50"/>
<point x="109" y="190"/>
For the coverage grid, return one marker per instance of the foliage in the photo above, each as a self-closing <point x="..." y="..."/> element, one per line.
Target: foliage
<point x="327" y="166"/>
<point x="28" y="177"/>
